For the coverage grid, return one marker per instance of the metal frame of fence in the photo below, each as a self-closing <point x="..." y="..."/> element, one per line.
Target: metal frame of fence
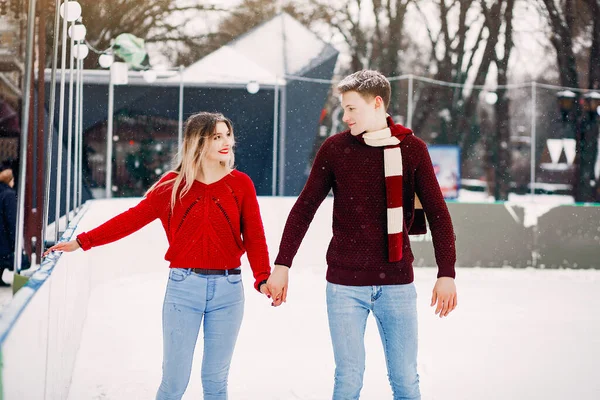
<point x="534" y="86"/>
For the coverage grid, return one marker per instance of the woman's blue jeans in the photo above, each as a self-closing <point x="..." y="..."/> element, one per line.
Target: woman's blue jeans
<point x="395" y="310"/>
<point x="190" y="299"/>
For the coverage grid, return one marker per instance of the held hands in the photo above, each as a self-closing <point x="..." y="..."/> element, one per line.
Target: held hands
<point x="265" y="290"/>
<point x="444" y="294"/>
<point x="64" y="246"/>
<point x="277" y="285"/>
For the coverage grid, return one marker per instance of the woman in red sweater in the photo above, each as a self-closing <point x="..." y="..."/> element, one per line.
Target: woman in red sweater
<point x="211" y="217"/>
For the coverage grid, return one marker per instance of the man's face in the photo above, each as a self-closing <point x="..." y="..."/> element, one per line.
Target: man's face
<point x="6" y="176"/>
<point x="360" y="113"/>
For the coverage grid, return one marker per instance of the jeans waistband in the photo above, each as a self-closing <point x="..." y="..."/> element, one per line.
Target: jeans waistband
<point x="204" y="271"/>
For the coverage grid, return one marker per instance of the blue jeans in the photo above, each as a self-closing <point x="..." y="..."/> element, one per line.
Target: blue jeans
<point x="190" y="297"/>
<point x="395" y="309"/>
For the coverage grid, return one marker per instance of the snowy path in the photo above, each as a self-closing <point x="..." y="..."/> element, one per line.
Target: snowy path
<point x="517" y="334"/>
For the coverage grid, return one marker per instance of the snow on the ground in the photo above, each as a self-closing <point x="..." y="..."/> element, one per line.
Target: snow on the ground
<point x="534" y="205"/>
<point x="470" y="196"/>
<point x="516" y="334"/>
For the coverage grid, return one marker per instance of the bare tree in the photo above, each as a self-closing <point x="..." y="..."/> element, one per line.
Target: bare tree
<point x="453" y="110"/>
<point x="155" y="21"/>
<point x="594" y="70"/>
<point x="447" y="61"/>
<point x="374" y="45"/>
<point x="501" y="159"/>
<point x="568" y="21"/>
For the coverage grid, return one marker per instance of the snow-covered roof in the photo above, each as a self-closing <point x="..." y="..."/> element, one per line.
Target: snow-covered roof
<point x="227" y="65"/>
<point x="278" y="47"/>
<point x="284" y="46"/>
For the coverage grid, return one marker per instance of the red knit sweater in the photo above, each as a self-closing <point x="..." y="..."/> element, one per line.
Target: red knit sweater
<point x="210" y="227"/>
<point x="358" y="254"/>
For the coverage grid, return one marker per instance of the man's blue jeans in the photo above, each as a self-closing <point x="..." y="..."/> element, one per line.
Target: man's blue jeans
<point x="190" y="297"/>
<point x="394" y="308"/>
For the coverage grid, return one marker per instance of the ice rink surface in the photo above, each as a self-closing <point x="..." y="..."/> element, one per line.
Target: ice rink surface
<point x="517" y="334"/>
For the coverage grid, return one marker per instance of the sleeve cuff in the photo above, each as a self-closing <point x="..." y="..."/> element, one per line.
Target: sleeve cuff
<point x="281" y="261"/>
<point x="263" y="277"/>
<point x="259" y="284"/>
<point x="84" y="241"/>
<point x="449" y="272"/>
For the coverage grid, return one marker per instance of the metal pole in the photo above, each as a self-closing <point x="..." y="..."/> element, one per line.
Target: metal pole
<point x="61" y="120"/>
<point x="275" y="134"/>
<point x="282" y="130"/>
<point x="70" y="129"/>
<point x="282" y="142"/>
<point x="48" y="176"/>
<point x="180" y="124"/>
<point x="80" y="155"/>
<point x="76" y="135"/>
<point x="409" y="110"/>
<point x="109" y="136"/>
<point x="533" y="134"/>
<point x="24" y="134"/>
<point x="40" y="139"/>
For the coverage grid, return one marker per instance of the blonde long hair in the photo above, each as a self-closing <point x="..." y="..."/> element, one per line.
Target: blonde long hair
<point x="199" y="128"/>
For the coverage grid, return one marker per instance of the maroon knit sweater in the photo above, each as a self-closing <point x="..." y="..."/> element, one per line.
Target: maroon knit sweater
<point x="358" y="254"/>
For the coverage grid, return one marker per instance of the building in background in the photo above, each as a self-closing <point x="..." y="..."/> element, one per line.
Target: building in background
<point x="240" y="80"/>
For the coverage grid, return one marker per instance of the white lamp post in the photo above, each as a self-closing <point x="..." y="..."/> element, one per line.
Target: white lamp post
<point x="80" y="51"/>
<point x="77" y="33"/>
<point x="70" y="12"/>
<point x="118" y="76"/>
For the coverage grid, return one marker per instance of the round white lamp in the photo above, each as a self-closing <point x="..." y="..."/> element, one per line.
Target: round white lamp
<point x="77" y="32"/>
<point x="491" y="98"/>
<point x="74" y="10"/>
<point x="253" y="87"/>
<point x="105" y="60"/>
<point x="80" y="51"/>
<point x="149" y="75"/>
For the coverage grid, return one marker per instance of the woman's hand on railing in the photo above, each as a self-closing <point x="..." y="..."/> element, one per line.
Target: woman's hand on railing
<point x="63" y="246"/>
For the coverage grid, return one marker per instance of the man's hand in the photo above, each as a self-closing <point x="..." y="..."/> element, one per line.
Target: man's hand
<point x="444" y="294"/>
<point x="277" y="284"/>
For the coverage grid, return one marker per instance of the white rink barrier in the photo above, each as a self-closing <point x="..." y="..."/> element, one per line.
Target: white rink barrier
<point x="41" y="328"/>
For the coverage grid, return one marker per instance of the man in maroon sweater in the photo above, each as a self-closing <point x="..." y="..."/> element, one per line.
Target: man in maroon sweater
<point x="374" y="169"/>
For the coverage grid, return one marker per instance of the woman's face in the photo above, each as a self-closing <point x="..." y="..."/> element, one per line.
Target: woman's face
<point x="219" y="145"/>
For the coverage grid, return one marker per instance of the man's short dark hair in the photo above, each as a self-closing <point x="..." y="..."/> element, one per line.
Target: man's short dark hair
<point x="367" y="83"/>
<point x="7" y="164"/>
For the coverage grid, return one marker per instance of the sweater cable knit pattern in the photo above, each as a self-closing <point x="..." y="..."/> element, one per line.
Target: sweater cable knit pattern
<point x="210" y="227"/>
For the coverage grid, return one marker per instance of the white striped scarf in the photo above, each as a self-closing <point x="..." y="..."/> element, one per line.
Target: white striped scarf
<point x="390" y="138"/>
